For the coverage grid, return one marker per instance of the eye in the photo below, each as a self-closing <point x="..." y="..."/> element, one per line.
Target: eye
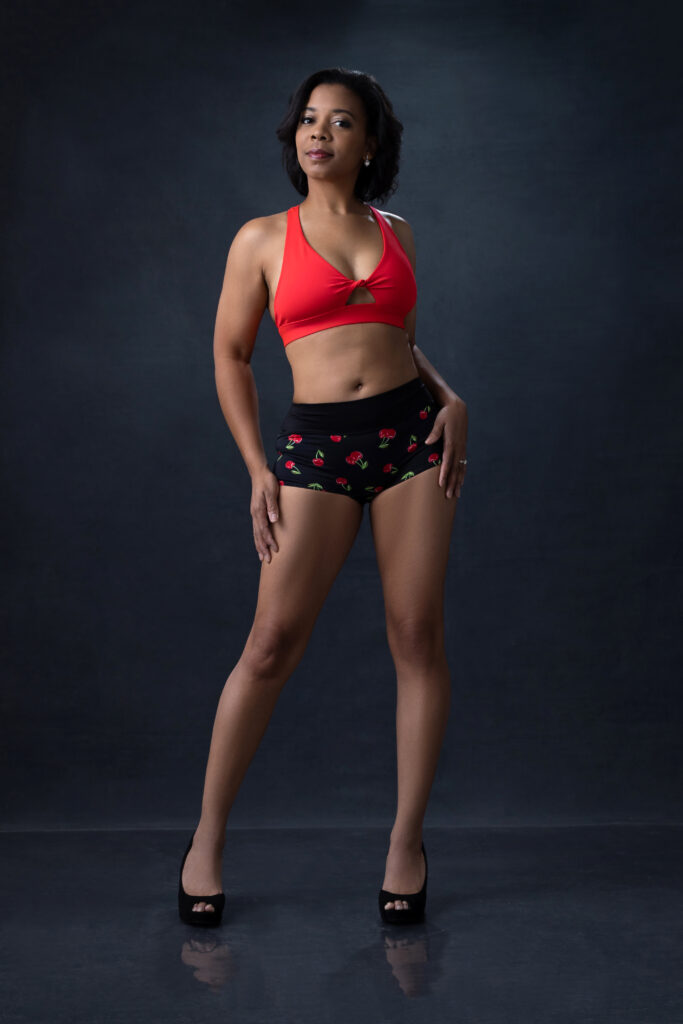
<point x="305" y="118"/>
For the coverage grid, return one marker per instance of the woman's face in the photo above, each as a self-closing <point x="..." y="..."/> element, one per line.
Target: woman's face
<point x="333" y="122"/>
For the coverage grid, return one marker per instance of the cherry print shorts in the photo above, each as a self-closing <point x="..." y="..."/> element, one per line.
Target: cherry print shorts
<point x="360" y="447"/>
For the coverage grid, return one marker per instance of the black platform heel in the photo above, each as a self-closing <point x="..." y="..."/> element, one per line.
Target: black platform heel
<point x="205" y="918"/>
<point x="416" y="902"/>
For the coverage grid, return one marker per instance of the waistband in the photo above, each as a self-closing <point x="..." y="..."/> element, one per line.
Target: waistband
<point x="358" y="413"/>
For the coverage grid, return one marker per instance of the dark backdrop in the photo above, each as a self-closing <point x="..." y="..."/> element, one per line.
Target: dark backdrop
<point x="541" y="174"/>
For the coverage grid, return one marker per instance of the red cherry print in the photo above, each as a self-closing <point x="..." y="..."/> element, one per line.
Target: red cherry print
<point x="318" y="462"/>
<point x="434" y="457"/>
<point x="289" y="464"/>
<point x="423" y="412"/>
<point x="388" y="468"/>
<point x="411" y="447"/>
<point x="377" y="489"/>
<point x="293" y="439"/>
<point x="335" y="437"/>
<point x="341" y="480"/>
<point x="386" y="433"/>
<point x="356" y="458"/>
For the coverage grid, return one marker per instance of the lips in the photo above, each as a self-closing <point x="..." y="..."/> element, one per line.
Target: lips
<point x="318" y="153"/>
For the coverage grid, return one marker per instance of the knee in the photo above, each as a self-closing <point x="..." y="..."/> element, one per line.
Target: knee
<point x="273" y="649"/>
<point x="416" y="638"/>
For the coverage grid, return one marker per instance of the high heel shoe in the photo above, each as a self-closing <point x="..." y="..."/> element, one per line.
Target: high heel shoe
<point x="206" y="918"/>
<point x="415" y="900"/>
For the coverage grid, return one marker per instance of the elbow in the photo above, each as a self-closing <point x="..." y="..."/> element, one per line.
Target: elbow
<point x="231" y="355"/>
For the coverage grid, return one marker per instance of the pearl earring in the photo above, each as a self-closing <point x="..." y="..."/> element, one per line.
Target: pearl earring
<point x="367" y="161"/>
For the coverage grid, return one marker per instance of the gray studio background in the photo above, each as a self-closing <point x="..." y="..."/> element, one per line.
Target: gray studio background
<point x="540" y="174"/>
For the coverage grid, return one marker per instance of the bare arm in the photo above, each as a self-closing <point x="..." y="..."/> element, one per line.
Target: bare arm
<point x="243" y="299"/>
<point x="452" y="417"/>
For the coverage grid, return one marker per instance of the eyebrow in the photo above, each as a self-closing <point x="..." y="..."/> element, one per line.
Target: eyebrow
<point x="338" y="110"/>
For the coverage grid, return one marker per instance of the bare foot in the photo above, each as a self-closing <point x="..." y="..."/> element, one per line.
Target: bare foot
<point x="404" y="872"/>
<point x="202" y="870"/>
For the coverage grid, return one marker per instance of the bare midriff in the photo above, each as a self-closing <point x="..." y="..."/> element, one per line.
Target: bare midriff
<point x="344" y="362"/>
<point x="350" y="361"/>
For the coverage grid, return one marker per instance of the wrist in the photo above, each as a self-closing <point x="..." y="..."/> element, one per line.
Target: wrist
<point x="450" y="398"/>
<point x="256" y="468"/>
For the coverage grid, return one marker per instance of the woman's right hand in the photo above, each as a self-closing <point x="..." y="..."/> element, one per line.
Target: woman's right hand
<point x="264" y="508"/>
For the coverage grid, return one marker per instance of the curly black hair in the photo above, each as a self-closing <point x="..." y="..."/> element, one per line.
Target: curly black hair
<point x="379" y="180"/>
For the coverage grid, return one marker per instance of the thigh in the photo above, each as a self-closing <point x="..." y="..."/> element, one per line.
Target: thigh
<point x="411" y="525"/>
<point x="314" y="532"/>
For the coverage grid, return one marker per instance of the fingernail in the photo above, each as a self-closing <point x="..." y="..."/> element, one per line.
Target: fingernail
<point x="273" y="516"/>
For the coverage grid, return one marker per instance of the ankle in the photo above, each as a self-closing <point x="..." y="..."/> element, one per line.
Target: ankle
<point x="407" y="841"/>
<point x="209" y="837"/>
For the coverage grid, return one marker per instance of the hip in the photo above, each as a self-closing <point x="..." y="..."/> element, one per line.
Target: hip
<point x="361" y="446"/>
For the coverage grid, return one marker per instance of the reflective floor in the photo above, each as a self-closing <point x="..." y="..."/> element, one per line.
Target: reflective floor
<point x="523" y="925"/>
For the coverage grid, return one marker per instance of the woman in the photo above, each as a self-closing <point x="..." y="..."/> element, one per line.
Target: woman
<point x="371" y="422"/>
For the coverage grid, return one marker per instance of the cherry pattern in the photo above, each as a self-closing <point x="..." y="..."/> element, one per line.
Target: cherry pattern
<point x="361" y="463"/>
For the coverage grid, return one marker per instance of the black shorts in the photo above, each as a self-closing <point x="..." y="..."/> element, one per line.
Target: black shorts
<point x="360" y="447"/>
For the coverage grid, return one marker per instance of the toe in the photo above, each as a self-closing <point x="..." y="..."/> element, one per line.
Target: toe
<point x="203" y="906"/>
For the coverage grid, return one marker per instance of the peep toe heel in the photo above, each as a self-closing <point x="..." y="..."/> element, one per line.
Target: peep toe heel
<point x="416" y="902"/>
<point x="203" y="918"/>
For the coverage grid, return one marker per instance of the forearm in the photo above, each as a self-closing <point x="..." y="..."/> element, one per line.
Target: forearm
<point x="434" y="381"/>
<point x="238" y="400"/>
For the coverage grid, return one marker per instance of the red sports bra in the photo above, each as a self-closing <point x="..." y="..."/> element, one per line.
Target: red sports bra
<point x="311" y="294"/>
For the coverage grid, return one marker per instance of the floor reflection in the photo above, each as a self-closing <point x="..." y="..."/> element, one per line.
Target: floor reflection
<point x="407" y="958"/>
<point x="211" y="959"/>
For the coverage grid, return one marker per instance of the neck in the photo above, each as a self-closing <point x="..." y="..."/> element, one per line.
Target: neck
<point x="326" y="198"/>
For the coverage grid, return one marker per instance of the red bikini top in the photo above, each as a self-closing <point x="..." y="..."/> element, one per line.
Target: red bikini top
<point x="311" y="294"/>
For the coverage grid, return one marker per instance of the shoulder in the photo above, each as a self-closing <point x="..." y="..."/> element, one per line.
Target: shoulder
<point x="255" y="238"/>
<point x="402" y="230"/>
<point x="258" y="230"/>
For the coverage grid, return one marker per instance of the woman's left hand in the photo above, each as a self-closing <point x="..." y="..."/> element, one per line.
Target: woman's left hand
<point x="451" y="421"/>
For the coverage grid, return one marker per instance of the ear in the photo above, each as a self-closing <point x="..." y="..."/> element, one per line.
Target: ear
<point x="371" y="145"/>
